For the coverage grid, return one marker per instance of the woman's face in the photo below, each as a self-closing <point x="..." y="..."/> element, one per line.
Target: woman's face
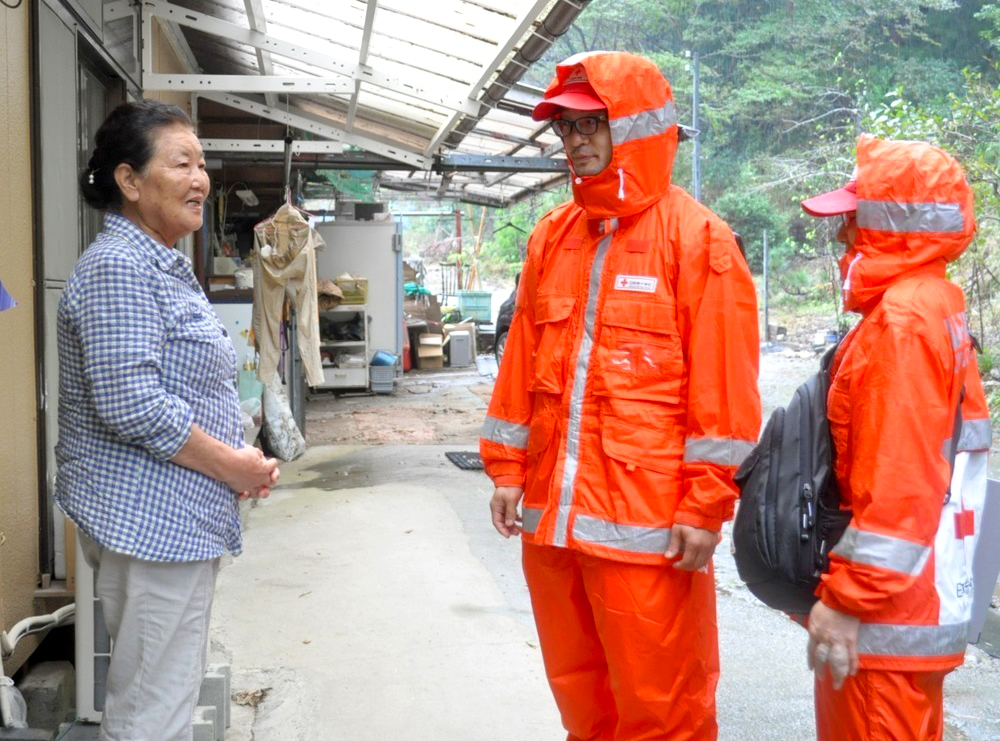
<point x="167" y="200"/>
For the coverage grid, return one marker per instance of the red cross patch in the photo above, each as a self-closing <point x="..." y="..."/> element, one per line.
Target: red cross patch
<point x="965" y="523"/>
<point x="639" y="283"/>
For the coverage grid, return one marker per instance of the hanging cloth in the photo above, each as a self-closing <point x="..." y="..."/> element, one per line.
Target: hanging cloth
<point x="284" y="262"/>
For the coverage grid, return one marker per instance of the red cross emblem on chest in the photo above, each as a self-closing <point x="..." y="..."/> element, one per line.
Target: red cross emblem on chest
<point x="623" y="282"/>
<point x="965" y="523"/>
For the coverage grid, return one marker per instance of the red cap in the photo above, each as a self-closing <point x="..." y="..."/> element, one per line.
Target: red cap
<point x="840" y="201"/>
<point x="577" y="95"/>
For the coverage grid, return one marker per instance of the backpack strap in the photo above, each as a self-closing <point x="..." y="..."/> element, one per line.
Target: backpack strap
<point x="826" y="362"/>
<point x="956" y="433"/>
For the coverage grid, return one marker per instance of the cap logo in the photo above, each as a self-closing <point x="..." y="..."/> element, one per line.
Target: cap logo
<point x="577" y="75"/>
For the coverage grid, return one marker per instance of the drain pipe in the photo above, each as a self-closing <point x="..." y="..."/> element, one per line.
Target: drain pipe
<point x="36" y="624"/>
<point x="11" y="717"/>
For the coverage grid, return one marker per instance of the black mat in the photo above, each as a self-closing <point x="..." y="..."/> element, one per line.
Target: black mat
<point x="466" y="461"/>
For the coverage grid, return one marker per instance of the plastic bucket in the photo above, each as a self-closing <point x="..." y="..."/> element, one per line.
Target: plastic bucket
<point x="381" y="357"/>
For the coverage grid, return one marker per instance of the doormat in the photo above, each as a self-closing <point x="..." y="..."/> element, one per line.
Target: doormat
<point x="466" y="461"/>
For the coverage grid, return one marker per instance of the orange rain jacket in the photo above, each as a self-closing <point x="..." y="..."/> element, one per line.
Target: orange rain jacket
<point x="904" y="565"/>
<point x="628" y="390"/>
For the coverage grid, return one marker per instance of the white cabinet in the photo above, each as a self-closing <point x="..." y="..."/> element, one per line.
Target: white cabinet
<point x="343" y="344"/>
<point x="372" y="250"/>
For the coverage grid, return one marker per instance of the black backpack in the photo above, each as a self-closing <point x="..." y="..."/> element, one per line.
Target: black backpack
<point x="789" y="516"/>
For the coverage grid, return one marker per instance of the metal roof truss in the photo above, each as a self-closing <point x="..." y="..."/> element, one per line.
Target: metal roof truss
<point x="462" y="123"/>
<point x="264" y="42"/>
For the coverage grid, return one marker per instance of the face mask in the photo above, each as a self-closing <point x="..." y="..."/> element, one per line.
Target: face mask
<point x="847" y="264"/>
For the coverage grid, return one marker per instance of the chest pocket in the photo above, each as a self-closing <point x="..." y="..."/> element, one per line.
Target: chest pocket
<point x="198" y="353"/>
<point x="639" y="350"/>
<point x="552" y="319"/>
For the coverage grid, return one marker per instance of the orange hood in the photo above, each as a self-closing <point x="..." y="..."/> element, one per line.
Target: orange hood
<point x="914" y="212"/>
<point x="643" y="124"/>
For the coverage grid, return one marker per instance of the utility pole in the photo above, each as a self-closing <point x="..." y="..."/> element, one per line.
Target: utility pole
<point x="696" y="152"/>
<point x="767" y="321"/>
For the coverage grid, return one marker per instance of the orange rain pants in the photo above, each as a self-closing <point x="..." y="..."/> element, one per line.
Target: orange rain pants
<point x="878" y="705"/>
<point x="627" y="657"/>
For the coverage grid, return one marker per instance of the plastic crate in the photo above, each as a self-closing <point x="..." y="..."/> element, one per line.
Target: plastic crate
<point x="355" y="290"/>
<point x="381" y="378"/>
<point x="475" y="305"/>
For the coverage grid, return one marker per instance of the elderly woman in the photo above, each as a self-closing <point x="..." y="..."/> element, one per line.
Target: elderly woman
<point x="151" y="455"/>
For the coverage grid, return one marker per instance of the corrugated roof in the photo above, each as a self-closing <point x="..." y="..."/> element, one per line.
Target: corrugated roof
<point x="425" y="94"/>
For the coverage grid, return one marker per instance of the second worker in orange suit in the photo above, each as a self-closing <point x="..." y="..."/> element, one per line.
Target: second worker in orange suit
<point x="626" y="399"/>
<point x="893" y="613"/>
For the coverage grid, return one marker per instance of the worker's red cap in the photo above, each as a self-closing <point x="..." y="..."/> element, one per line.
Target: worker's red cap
<point x="840" y="201"/>
<point x="577" y="95"/>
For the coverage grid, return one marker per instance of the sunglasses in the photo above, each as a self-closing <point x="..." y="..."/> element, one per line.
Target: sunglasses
<point x="586" y="125"/>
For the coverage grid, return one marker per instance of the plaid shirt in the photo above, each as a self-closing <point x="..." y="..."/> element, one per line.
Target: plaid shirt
<point x="142" y="357"/>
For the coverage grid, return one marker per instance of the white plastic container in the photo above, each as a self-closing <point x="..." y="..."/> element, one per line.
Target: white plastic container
<point x="460" y="344"/>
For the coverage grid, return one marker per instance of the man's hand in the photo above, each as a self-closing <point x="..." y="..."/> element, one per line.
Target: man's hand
<point x="833" y="642"/>
<point x="694" y="545"/>
<point x="503" y="508"/>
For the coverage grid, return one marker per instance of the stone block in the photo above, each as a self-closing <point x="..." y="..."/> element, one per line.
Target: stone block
<point x="204" y="723"/>
<point x="49" y="690"/>
<point x="225" y="671"/>
<point x="214" y="693"/>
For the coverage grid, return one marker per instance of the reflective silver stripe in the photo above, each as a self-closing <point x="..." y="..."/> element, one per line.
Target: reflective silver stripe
<point x="958" y="330"/>
<point x="507" y="434"/>
<point x="631" y="538"/>
<point x="882" y="551"/>
<point x="721" y="451"/>
<point x="529" y="519"/>
<point x="579" y="383"/>
<point x="912" y="640"/>
<point x="976" y="435"/>
<point x="910" y="218"/>
<point x="643" y="125"/>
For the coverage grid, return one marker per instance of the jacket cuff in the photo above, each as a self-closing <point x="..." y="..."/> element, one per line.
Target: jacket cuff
<point x="508" y="480"/>
<point x="700" y="521"/>
<point x="828" y="598"/>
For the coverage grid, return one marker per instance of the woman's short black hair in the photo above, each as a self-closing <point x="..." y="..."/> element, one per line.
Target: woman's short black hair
<point x="127" y="135"/>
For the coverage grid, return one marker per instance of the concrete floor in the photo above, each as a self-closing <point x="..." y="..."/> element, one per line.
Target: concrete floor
<point x="375" y="601"/>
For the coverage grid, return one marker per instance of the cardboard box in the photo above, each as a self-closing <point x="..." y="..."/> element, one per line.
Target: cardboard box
<point x="430" y="340"/>
<point x="430" y="363"/>
<point x="430" y="351"/>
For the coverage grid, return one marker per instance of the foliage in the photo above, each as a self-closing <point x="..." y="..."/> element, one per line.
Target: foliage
<point x="987" y="361"/>
<point x="785" y="88"/>
<point x="357" y="185"/>
<point x="750" y="214"/>
<point x="430" y="232"/>
<point x="968" y="128"/>
<point x="785" y="84"/>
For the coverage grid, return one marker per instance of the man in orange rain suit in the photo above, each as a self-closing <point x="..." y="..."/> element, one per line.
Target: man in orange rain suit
<point x="893" y="614"/>
<point x="626" y="399"/>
